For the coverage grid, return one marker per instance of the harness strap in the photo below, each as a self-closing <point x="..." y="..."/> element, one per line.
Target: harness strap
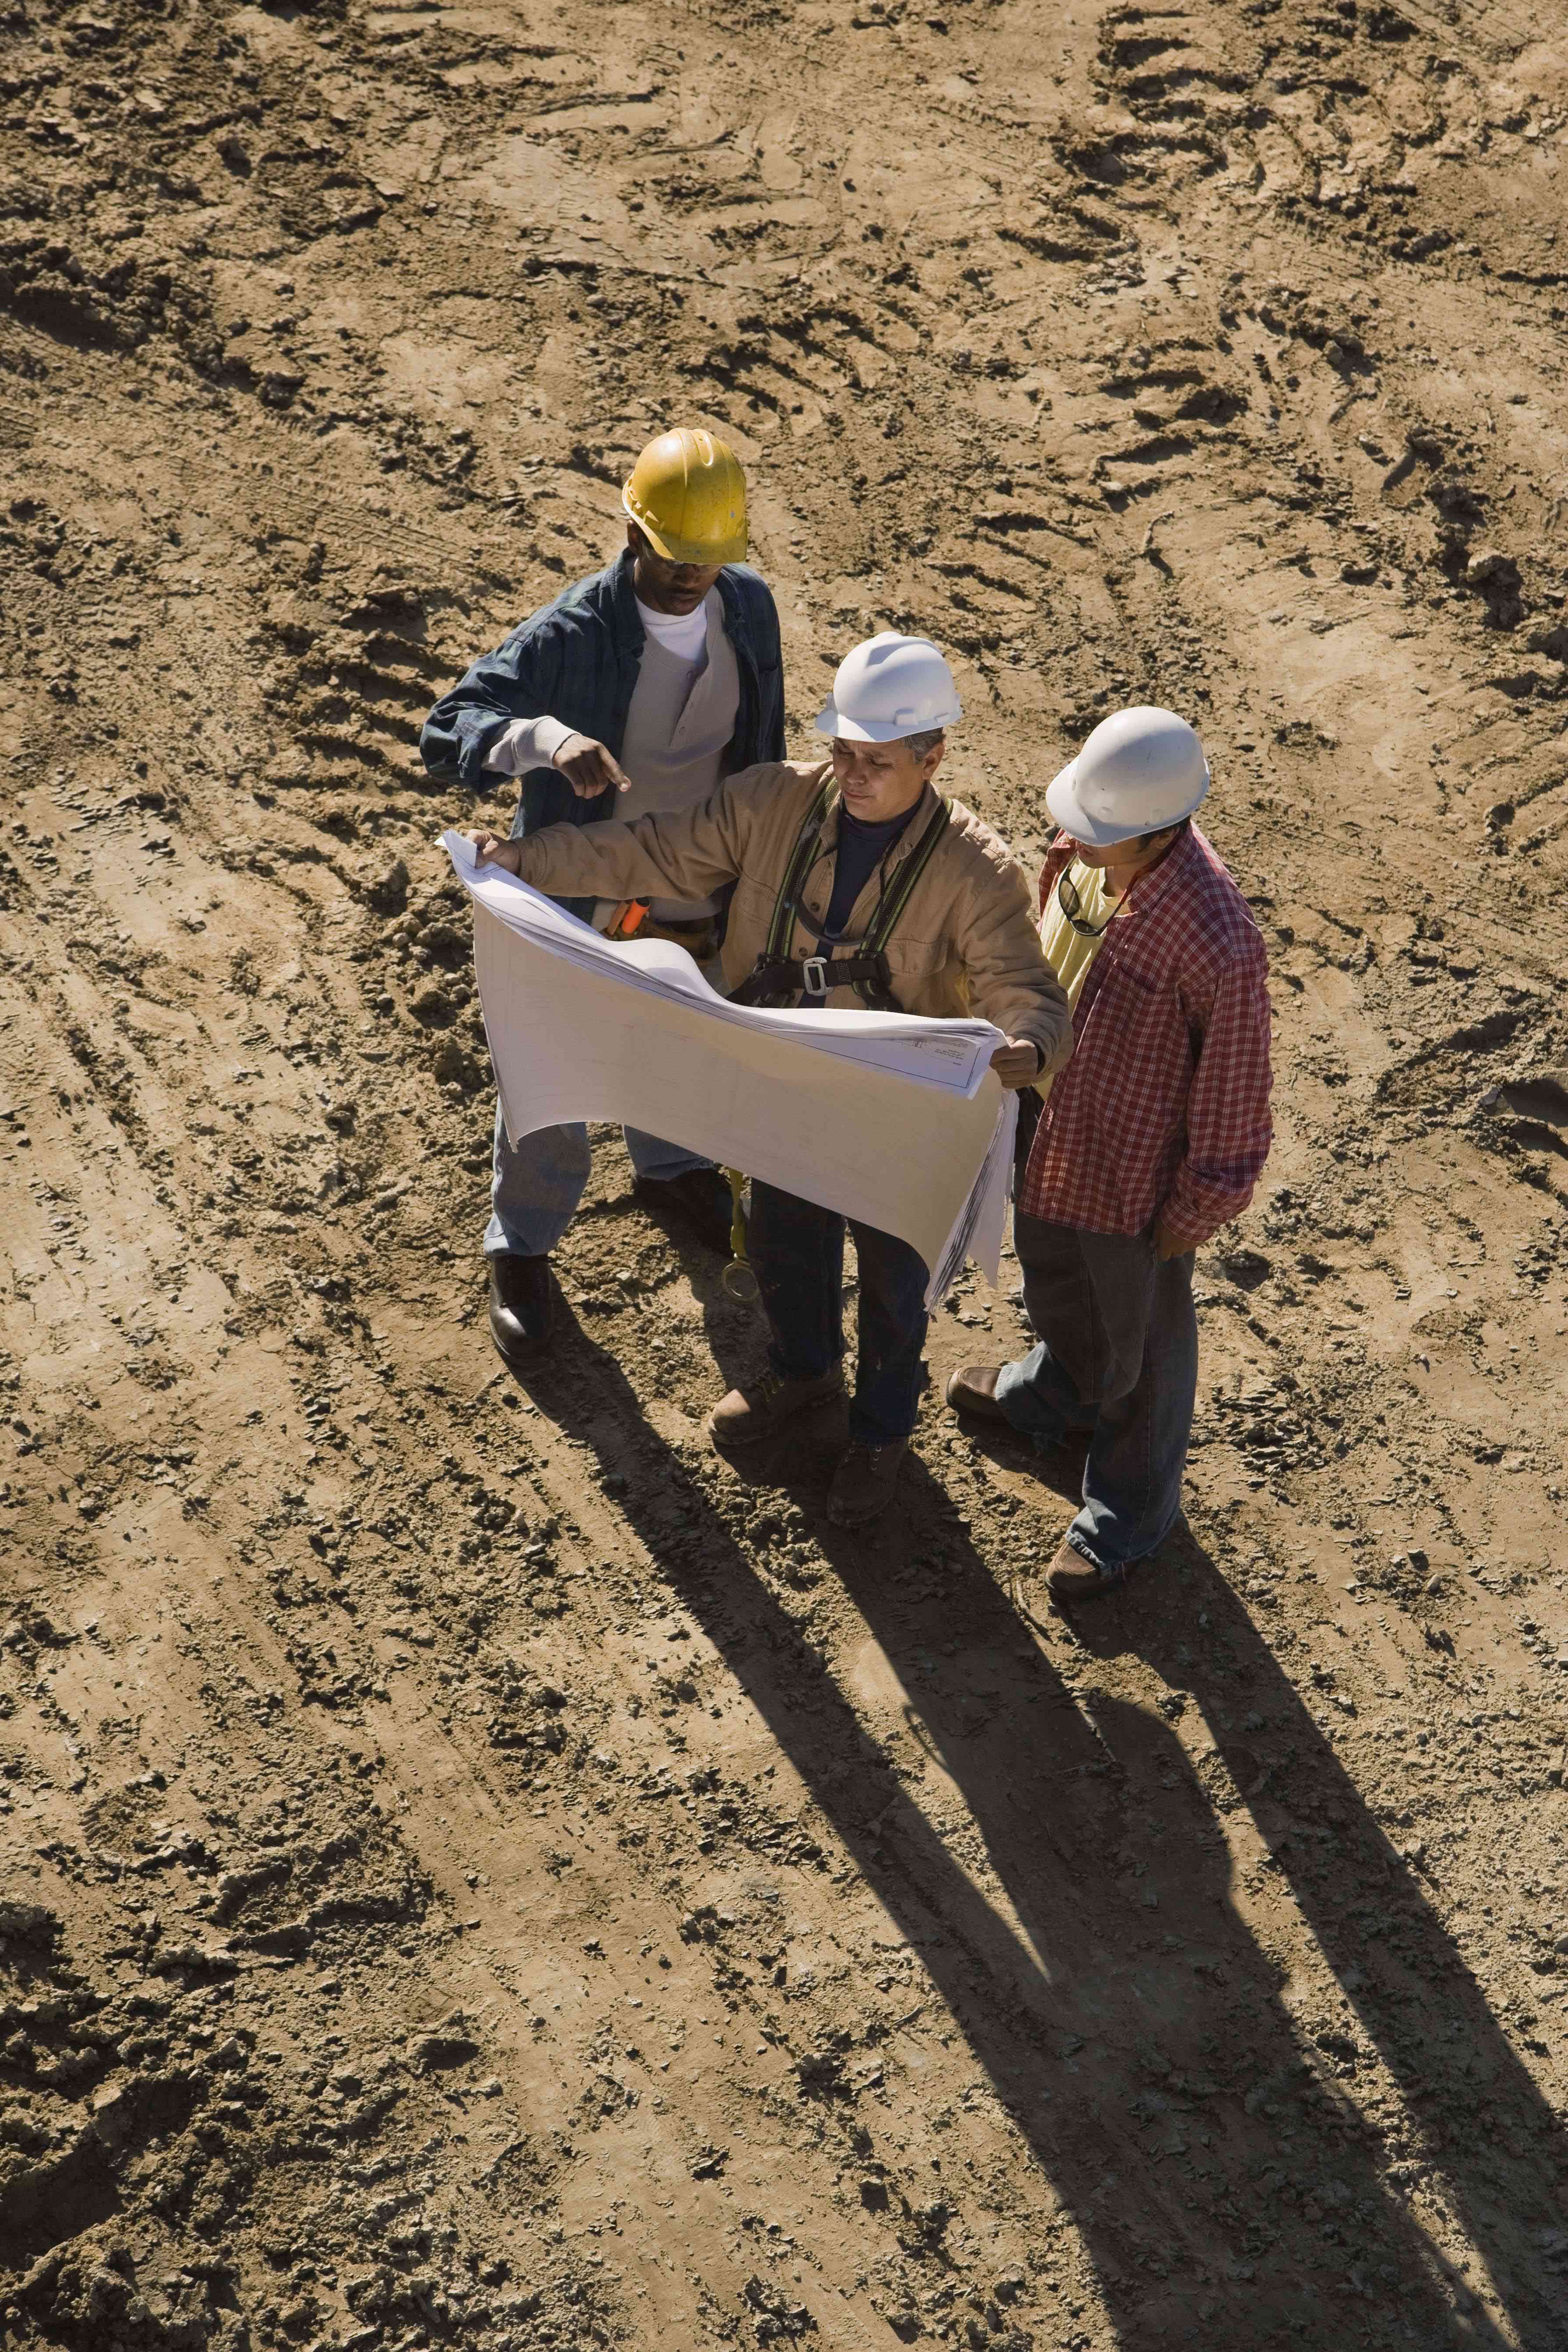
<point x="794" y="872"/>
<point x="889" y="913"/>
<point x="776" y="976"/>
<point x="774" y="979"/>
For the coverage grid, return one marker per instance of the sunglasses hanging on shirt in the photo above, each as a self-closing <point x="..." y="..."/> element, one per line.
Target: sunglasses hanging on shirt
<point x="1071" y="905"/>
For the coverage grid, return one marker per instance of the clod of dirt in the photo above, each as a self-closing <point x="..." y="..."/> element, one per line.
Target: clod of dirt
<point x="27" y="1923"/>
<point x="445" y="2047"/>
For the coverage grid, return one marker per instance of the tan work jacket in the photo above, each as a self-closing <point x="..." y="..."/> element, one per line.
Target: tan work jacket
<point x="967" y="943"/>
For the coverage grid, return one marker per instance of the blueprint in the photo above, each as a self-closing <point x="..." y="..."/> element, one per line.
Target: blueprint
<point x="893" y="1120"/>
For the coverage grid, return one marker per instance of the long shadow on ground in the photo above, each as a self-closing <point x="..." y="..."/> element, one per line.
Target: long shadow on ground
<point x="1485" y="2127"/>
<point x="1145" y="2050"/>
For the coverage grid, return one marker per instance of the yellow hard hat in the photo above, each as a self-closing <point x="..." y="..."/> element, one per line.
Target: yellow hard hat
<point x="686" y="495"/>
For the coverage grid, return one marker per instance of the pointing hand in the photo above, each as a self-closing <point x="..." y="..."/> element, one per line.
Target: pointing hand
<point x="589" y="768"/>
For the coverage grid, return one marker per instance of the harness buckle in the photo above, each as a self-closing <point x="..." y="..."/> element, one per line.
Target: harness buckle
<point x="814" y="976"/>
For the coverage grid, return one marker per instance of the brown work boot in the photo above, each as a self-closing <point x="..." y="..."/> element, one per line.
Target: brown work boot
<point x="749" y="1414"/>
<point x="973" y="1389"/>
<point x="863" y="1484"/>
<point x="1072" y="1577"/>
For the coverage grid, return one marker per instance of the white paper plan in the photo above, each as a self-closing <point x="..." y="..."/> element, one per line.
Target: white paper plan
<point x="893" y="1120"/>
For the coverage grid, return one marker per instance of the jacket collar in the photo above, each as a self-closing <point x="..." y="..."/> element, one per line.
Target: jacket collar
<point x="736" y="627"/>
<point x="623" y="604"/>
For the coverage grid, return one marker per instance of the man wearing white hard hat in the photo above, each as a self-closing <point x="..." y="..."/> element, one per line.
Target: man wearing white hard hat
<point x="1151" y="1138"/>
<point x="854" y="884"/>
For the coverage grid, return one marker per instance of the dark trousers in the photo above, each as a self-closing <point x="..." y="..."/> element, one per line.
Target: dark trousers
<point x="1118" y="1359"/>
<point x="797" y="1255"/>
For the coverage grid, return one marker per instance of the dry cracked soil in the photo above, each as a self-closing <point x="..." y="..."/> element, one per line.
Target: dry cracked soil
<point x="478" y="1871"/>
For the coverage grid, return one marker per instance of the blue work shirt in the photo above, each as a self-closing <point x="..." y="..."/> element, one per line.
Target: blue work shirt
<point x="577" y="660"/>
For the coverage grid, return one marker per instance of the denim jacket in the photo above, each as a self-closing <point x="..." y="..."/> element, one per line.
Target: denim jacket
<point x="577" y="660"/>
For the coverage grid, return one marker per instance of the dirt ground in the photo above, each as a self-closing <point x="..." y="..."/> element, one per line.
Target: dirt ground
<point x="478" y="1871"/>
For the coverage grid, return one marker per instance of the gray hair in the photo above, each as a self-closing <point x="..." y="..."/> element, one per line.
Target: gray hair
<point x="927" y="740"/>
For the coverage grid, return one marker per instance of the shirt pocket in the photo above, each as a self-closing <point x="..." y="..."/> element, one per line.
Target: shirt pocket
<point x="918" y="970"/>
<point x="750" y="910"/>
<point x="1124" y="999"/>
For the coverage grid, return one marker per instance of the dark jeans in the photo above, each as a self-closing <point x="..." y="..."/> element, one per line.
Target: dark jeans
<point x="797" y="1255"/>
<point x="1118" y="1358"/>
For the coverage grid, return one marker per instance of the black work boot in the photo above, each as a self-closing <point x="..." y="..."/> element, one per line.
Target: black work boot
<point x="522" y="1310"/>
<point x="701" y="1199"/>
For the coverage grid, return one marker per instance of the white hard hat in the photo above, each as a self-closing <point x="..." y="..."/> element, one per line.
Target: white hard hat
<point x="1140" y="771"/>
<point x="887" y="687"/>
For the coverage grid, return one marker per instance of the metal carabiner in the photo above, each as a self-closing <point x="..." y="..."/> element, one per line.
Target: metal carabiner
<point x="739" y="1277"/>
<point x="814" y="976"/>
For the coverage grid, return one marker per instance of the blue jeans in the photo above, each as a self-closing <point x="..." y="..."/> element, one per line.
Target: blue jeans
<point x="535" y="1190"/>
<point x="797" y="1255"/>
<point x="1118" y="1358"/>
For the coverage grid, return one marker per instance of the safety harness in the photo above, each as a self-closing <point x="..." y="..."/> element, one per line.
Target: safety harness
<point x="780" y="978"/>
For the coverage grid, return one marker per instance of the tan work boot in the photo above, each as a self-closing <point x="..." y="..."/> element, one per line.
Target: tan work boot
<point x="863" y="1484"/>
<point x="973" y="1391"/>
<point x="1072" y="1577"/>
<point x="747" y="1415"/>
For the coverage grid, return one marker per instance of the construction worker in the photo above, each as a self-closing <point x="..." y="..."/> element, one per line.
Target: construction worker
<point x="1149" y="1139"/>
<point x="639" y="689"/>
<point x="854" y="884"/>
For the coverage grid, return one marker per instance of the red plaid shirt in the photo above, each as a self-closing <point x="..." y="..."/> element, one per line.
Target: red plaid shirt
<point x="1163" y="1108"/>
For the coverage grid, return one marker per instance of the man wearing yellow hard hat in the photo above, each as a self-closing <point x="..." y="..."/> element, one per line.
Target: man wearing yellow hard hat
<point x="636" y="692"/>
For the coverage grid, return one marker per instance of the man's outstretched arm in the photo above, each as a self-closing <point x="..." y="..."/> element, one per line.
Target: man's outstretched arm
<point x="687" y="856"/>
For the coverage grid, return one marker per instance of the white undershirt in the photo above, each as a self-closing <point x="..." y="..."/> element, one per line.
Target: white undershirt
<point x="533" y="743"/>
<point x="682" y="634"/>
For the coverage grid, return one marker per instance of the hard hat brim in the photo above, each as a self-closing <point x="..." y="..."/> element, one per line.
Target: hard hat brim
<point x="1062" y="804"/>
<point x="1065" y="809"/>
<point x="830" y="721"/>
<point x="686" y="551"/>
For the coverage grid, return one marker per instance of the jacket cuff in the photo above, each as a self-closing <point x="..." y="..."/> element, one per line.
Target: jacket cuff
<point x="473" y="766"/>
<point x="1053" y="1046"/>
<point x="529" y="862"/>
